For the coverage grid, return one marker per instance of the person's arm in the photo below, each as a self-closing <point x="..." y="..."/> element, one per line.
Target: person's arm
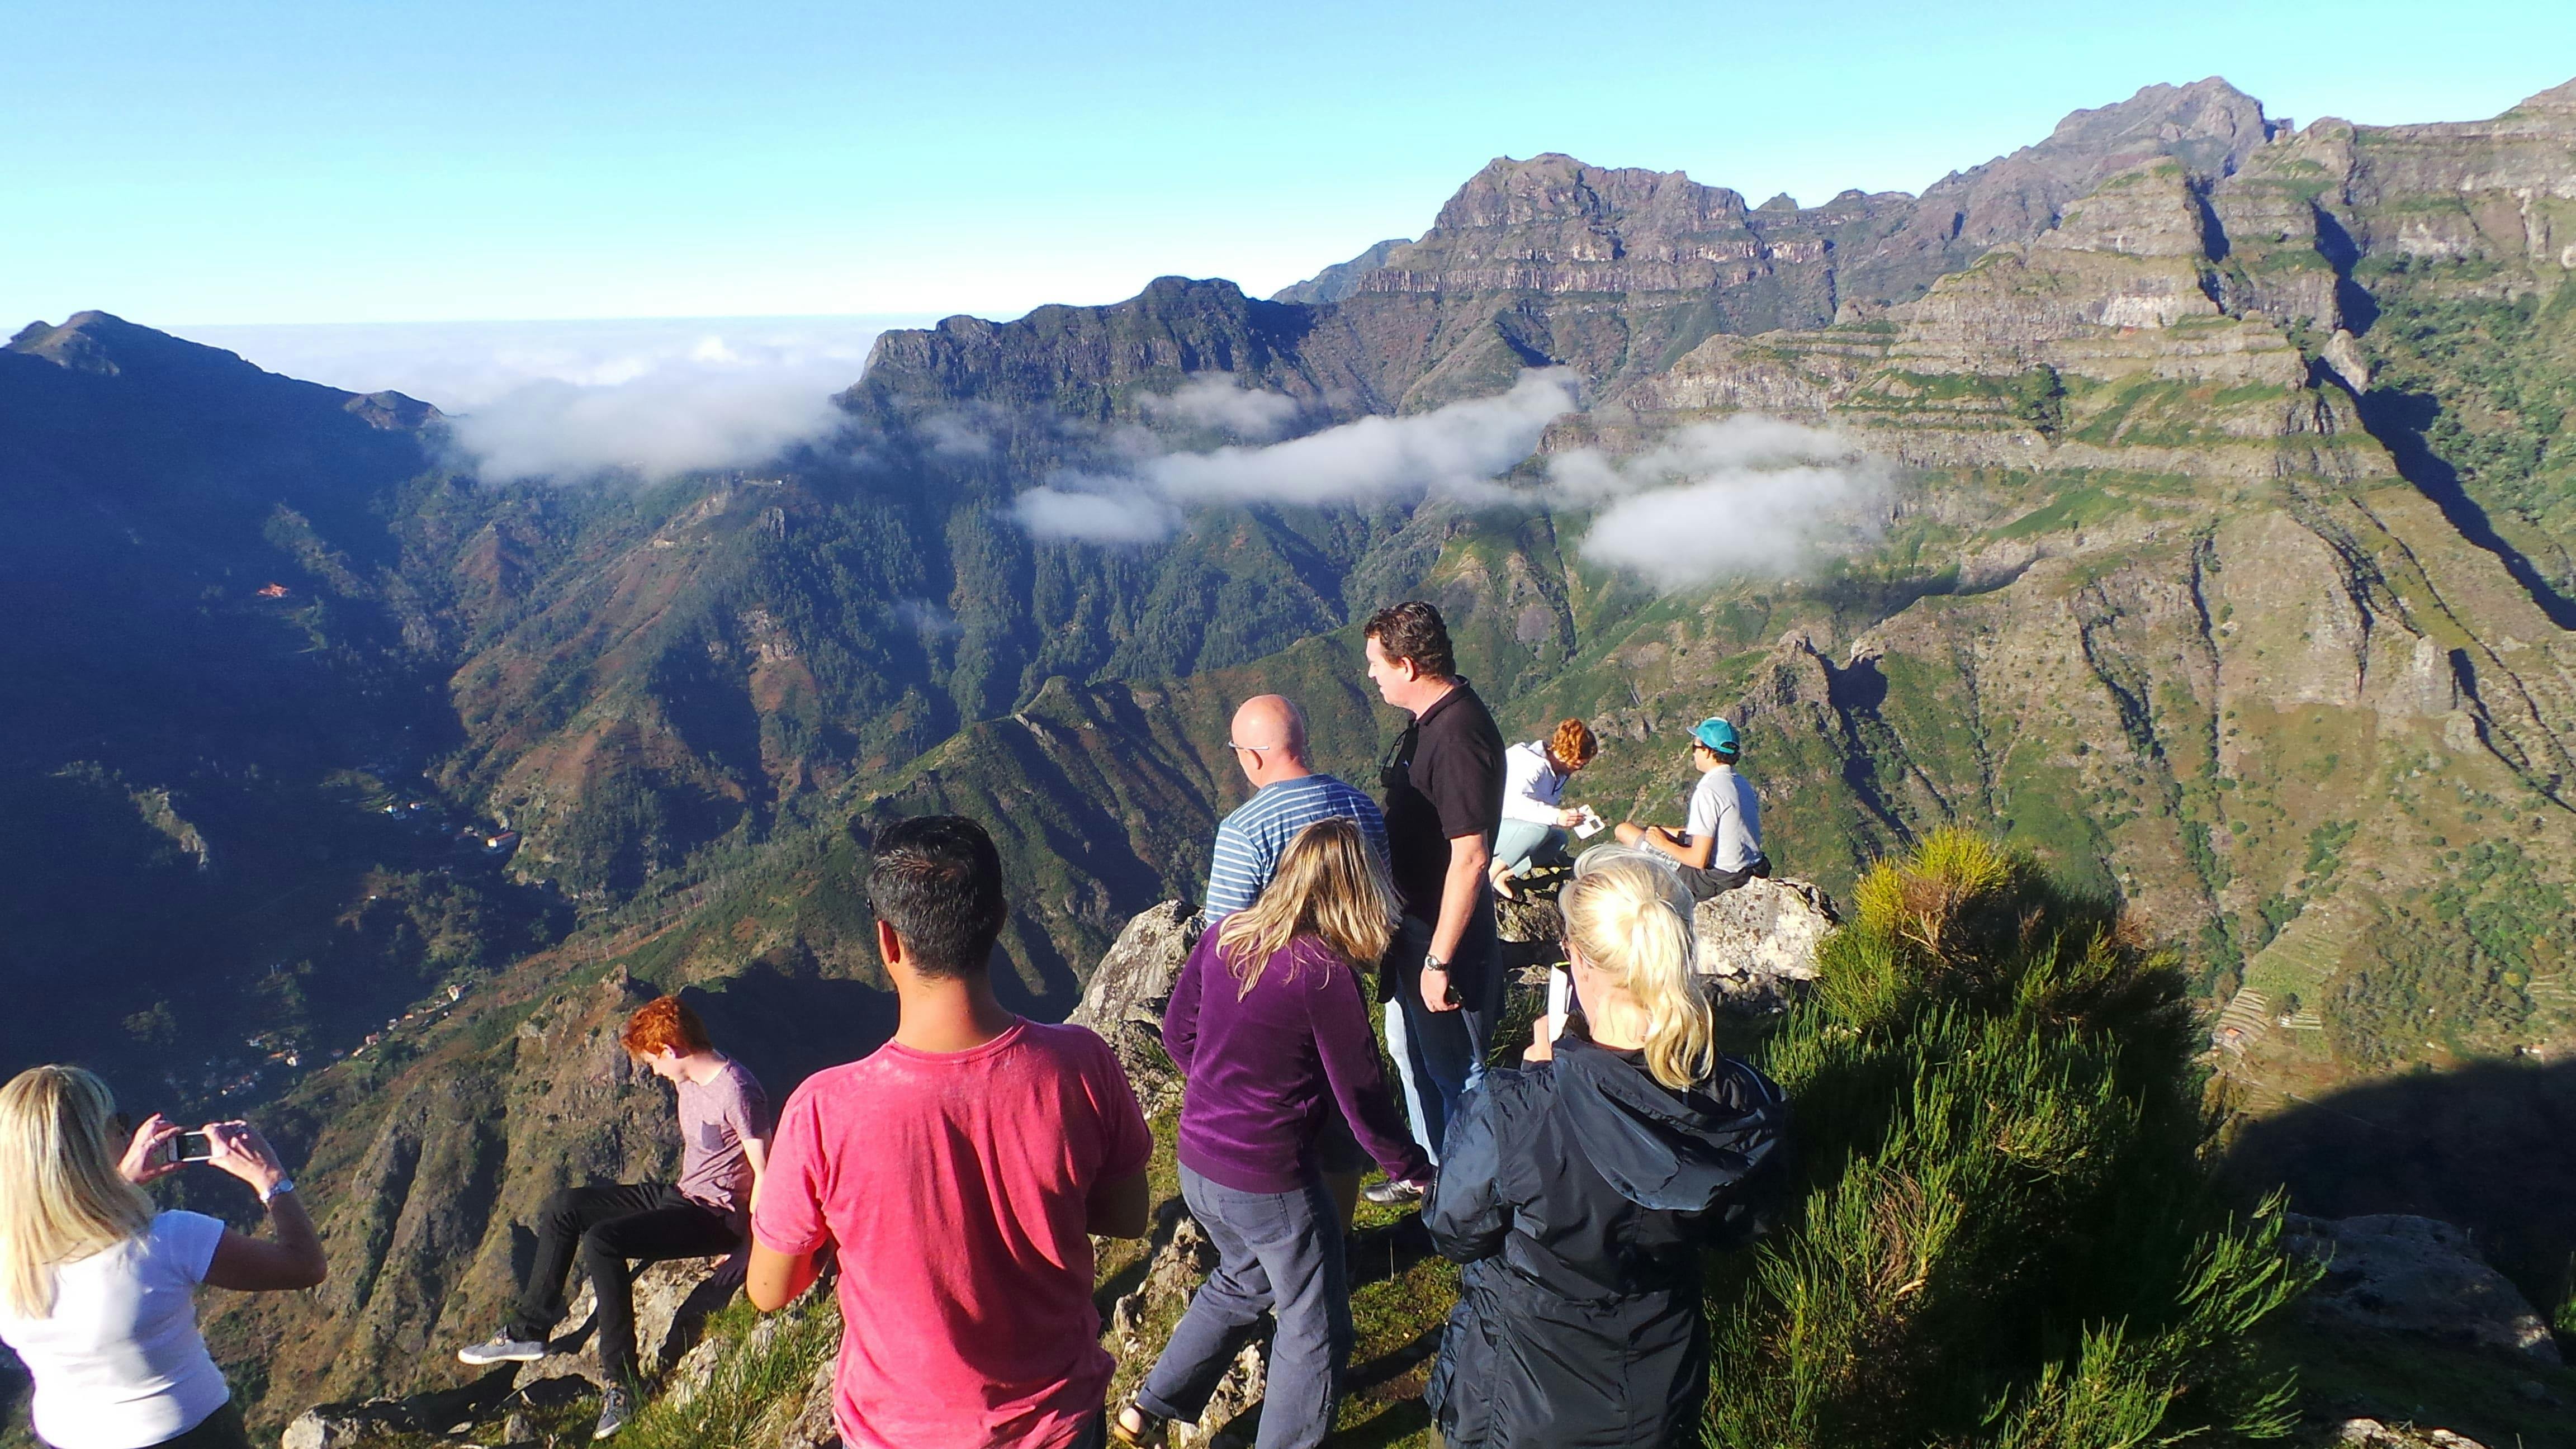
<point x="1181" y="1013"/>
<point x="788" y="1209"/>
<point x="1469" y="855"/>
<point x="1119" y="1204"/>
<point x="1465" y="1211"/>
<point x="1235" y="871"/>
<point x="259" y="1265"/>
<point x="1339" y="1018"/>
<point x="1693" y="851"/>
<point x="1119" y="1208"/>
<point x="775" y="1279"/>
<point x="755" y="1154"/>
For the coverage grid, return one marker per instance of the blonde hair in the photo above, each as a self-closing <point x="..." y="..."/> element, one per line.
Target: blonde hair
<point x="1632" y="921"/>
<point x="62" y="1197"/>
<point x="1573" y="743"/>
<point x="1330" y="886"/>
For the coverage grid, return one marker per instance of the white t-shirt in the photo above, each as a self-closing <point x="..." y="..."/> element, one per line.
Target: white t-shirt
<point x="119" y="1364"/>
<point x="1722" y="808"/>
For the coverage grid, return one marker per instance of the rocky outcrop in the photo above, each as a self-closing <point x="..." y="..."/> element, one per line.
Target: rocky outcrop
<point x="1128" y="990"/>
<point x="673" y="1301"/>
<point x="1757" y="943"/>
<point x="2398" y="1274"/>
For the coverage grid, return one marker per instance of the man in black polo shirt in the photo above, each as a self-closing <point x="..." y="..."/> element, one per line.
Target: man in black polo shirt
<point x="1444" y="800"/>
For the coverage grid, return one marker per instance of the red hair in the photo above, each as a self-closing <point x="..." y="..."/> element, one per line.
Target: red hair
<point x="665" y="1021"/>
<point x="1573" y="743"/>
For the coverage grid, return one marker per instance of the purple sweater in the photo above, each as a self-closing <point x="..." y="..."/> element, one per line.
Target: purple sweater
<point x="1261" y="1064"/>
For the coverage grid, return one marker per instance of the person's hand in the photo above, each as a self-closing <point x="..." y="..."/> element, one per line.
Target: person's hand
<point x="144" y="1160"/>
<point x="1435" y="990"/>
<point x="241" y="1151"/>
<point x="1542" y="1047"/>
<point x="1568" y="819"/>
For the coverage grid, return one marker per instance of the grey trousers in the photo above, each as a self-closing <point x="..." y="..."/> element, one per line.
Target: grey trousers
<point x="1276" y="1252"/>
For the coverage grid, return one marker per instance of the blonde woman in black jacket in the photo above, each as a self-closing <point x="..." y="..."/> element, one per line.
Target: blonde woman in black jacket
<point x="1579" y="1191"/>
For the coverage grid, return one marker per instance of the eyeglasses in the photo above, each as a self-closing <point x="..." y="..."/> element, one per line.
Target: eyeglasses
<point x="1249" y="749"/>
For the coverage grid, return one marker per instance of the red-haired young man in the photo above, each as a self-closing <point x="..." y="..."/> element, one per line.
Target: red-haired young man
<point x="724" y="1149"/>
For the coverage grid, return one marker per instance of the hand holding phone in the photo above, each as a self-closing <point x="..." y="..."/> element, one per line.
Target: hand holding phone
<point x="153" y="1151"/>
<point x="188" y="1147"/>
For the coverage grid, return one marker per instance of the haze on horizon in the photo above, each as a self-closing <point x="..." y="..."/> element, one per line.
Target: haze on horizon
<point x="187" y="166"/>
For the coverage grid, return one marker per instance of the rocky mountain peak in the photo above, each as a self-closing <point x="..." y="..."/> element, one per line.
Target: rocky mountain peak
<point x="2557" y="103"/>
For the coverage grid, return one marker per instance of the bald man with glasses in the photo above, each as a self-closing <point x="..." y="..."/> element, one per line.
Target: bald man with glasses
<point x="1269" y="742"/>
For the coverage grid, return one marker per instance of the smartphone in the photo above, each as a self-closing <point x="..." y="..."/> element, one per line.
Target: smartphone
<point x="188" y="1147"/>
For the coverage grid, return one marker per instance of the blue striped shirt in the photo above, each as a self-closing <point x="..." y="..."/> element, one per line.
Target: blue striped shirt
<point x="1250" y="841"/>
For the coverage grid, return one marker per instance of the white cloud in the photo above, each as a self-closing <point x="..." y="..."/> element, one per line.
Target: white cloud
<point x="1454" y="451"/>
<point x="1744" y="496"/>
<point x="570" y="399"/>
<point x="1215" y="400"/>
<point x="1124" y="517"/>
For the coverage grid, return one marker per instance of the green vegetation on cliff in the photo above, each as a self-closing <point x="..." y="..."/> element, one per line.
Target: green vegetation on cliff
<point x="2008" y="1236"/>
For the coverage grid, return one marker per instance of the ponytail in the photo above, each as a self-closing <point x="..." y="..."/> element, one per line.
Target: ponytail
<point x="1632" y="920"/>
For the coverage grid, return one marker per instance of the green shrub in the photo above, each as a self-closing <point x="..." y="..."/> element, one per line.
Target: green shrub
<point x="2008" y="1235"/>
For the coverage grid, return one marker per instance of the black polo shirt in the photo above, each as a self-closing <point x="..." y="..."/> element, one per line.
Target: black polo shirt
<point x="1444" y="778"/>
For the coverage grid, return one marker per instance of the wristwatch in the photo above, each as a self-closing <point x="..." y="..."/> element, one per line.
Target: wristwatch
<point x="283" y="1184"/>
<point x="1434" y="963"/>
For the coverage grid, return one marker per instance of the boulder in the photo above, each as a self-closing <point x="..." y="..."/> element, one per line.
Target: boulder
<point x="2400" y="1274"/>
<point x="1757" y="942"/>
<point x="1125" y="998"/>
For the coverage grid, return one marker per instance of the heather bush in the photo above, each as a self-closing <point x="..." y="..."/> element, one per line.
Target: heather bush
<point x="2008" y="1233"/>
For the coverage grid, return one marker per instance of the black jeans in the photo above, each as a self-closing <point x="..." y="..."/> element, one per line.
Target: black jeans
<point x="1706" y="885"/>
<point x="644" y="1222"/>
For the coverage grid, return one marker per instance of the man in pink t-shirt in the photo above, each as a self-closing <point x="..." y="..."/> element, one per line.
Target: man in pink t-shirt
<point x="957" y="1173"/>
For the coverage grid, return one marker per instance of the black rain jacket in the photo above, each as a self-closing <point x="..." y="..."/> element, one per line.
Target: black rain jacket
<point x="1578" y="1194"/>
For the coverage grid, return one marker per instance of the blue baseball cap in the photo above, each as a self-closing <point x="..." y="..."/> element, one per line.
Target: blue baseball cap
<point x="1717" y="735"/>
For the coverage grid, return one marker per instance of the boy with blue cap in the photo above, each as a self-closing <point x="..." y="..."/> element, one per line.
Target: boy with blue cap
<point x="1720" y="844"/>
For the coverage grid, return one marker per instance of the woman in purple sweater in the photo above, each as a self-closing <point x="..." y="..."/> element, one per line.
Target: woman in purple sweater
<point x="1268" y="1021"/>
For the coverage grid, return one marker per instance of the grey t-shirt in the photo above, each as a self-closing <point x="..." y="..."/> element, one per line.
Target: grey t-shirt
<point x="1722" y="808"/>
<point x="715" y="1117"/>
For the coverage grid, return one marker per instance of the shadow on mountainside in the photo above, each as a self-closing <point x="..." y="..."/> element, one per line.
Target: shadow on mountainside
<point x="786" y="1028"/>
<point x="2400" y="421"/>
<point x="2490" y="1147"/>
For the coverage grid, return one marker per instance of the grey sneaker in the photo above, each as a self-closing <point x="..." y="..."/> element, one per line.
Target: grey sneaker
<point x="1392" y="1193"/>
<point x="502" y="1348"/>
<point x="616" y="1405"/>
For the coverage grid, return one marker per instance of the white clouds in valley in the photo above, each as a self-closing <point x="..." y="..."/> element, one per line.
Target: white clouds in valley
<point x="1746" y="495"/>
<point x="1453" y="451"/>
<point x="1215" y="400"/>
<point x="573" y="399"/>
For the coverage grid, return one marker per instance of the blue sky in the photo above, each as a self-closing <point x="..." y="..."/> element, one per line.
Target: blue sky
<point x="199" y="163"/>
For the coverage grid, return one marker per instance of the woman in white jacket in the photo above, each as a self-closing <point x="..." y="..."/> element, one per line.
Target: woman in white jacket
<point x="98" y="1291"/>
<point x="1535" y="822"/>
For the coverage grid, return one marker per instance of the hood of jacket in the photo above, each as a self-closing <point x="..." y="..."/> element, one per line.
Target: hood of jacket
<point x="1674" y="1151"/>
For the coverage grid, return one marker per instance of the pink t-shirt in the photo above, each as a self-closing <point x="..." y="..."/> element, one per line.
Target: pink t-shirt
<point x="955" y="1186"/>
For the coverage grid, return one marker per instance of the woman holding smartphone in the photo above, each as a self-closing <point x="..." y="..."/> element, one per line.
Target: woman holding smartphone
<point x="97" y="1290"/>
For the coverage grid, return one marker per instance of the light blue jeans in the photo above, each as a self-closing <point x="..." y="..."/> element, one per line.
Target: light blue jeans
<point x="1520" y="844"/>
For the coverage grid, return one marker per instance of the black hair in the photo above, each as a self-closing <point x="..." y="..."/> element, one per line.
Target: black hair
<point x="1413" y="630"/>
<point x="938" y="881"/>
